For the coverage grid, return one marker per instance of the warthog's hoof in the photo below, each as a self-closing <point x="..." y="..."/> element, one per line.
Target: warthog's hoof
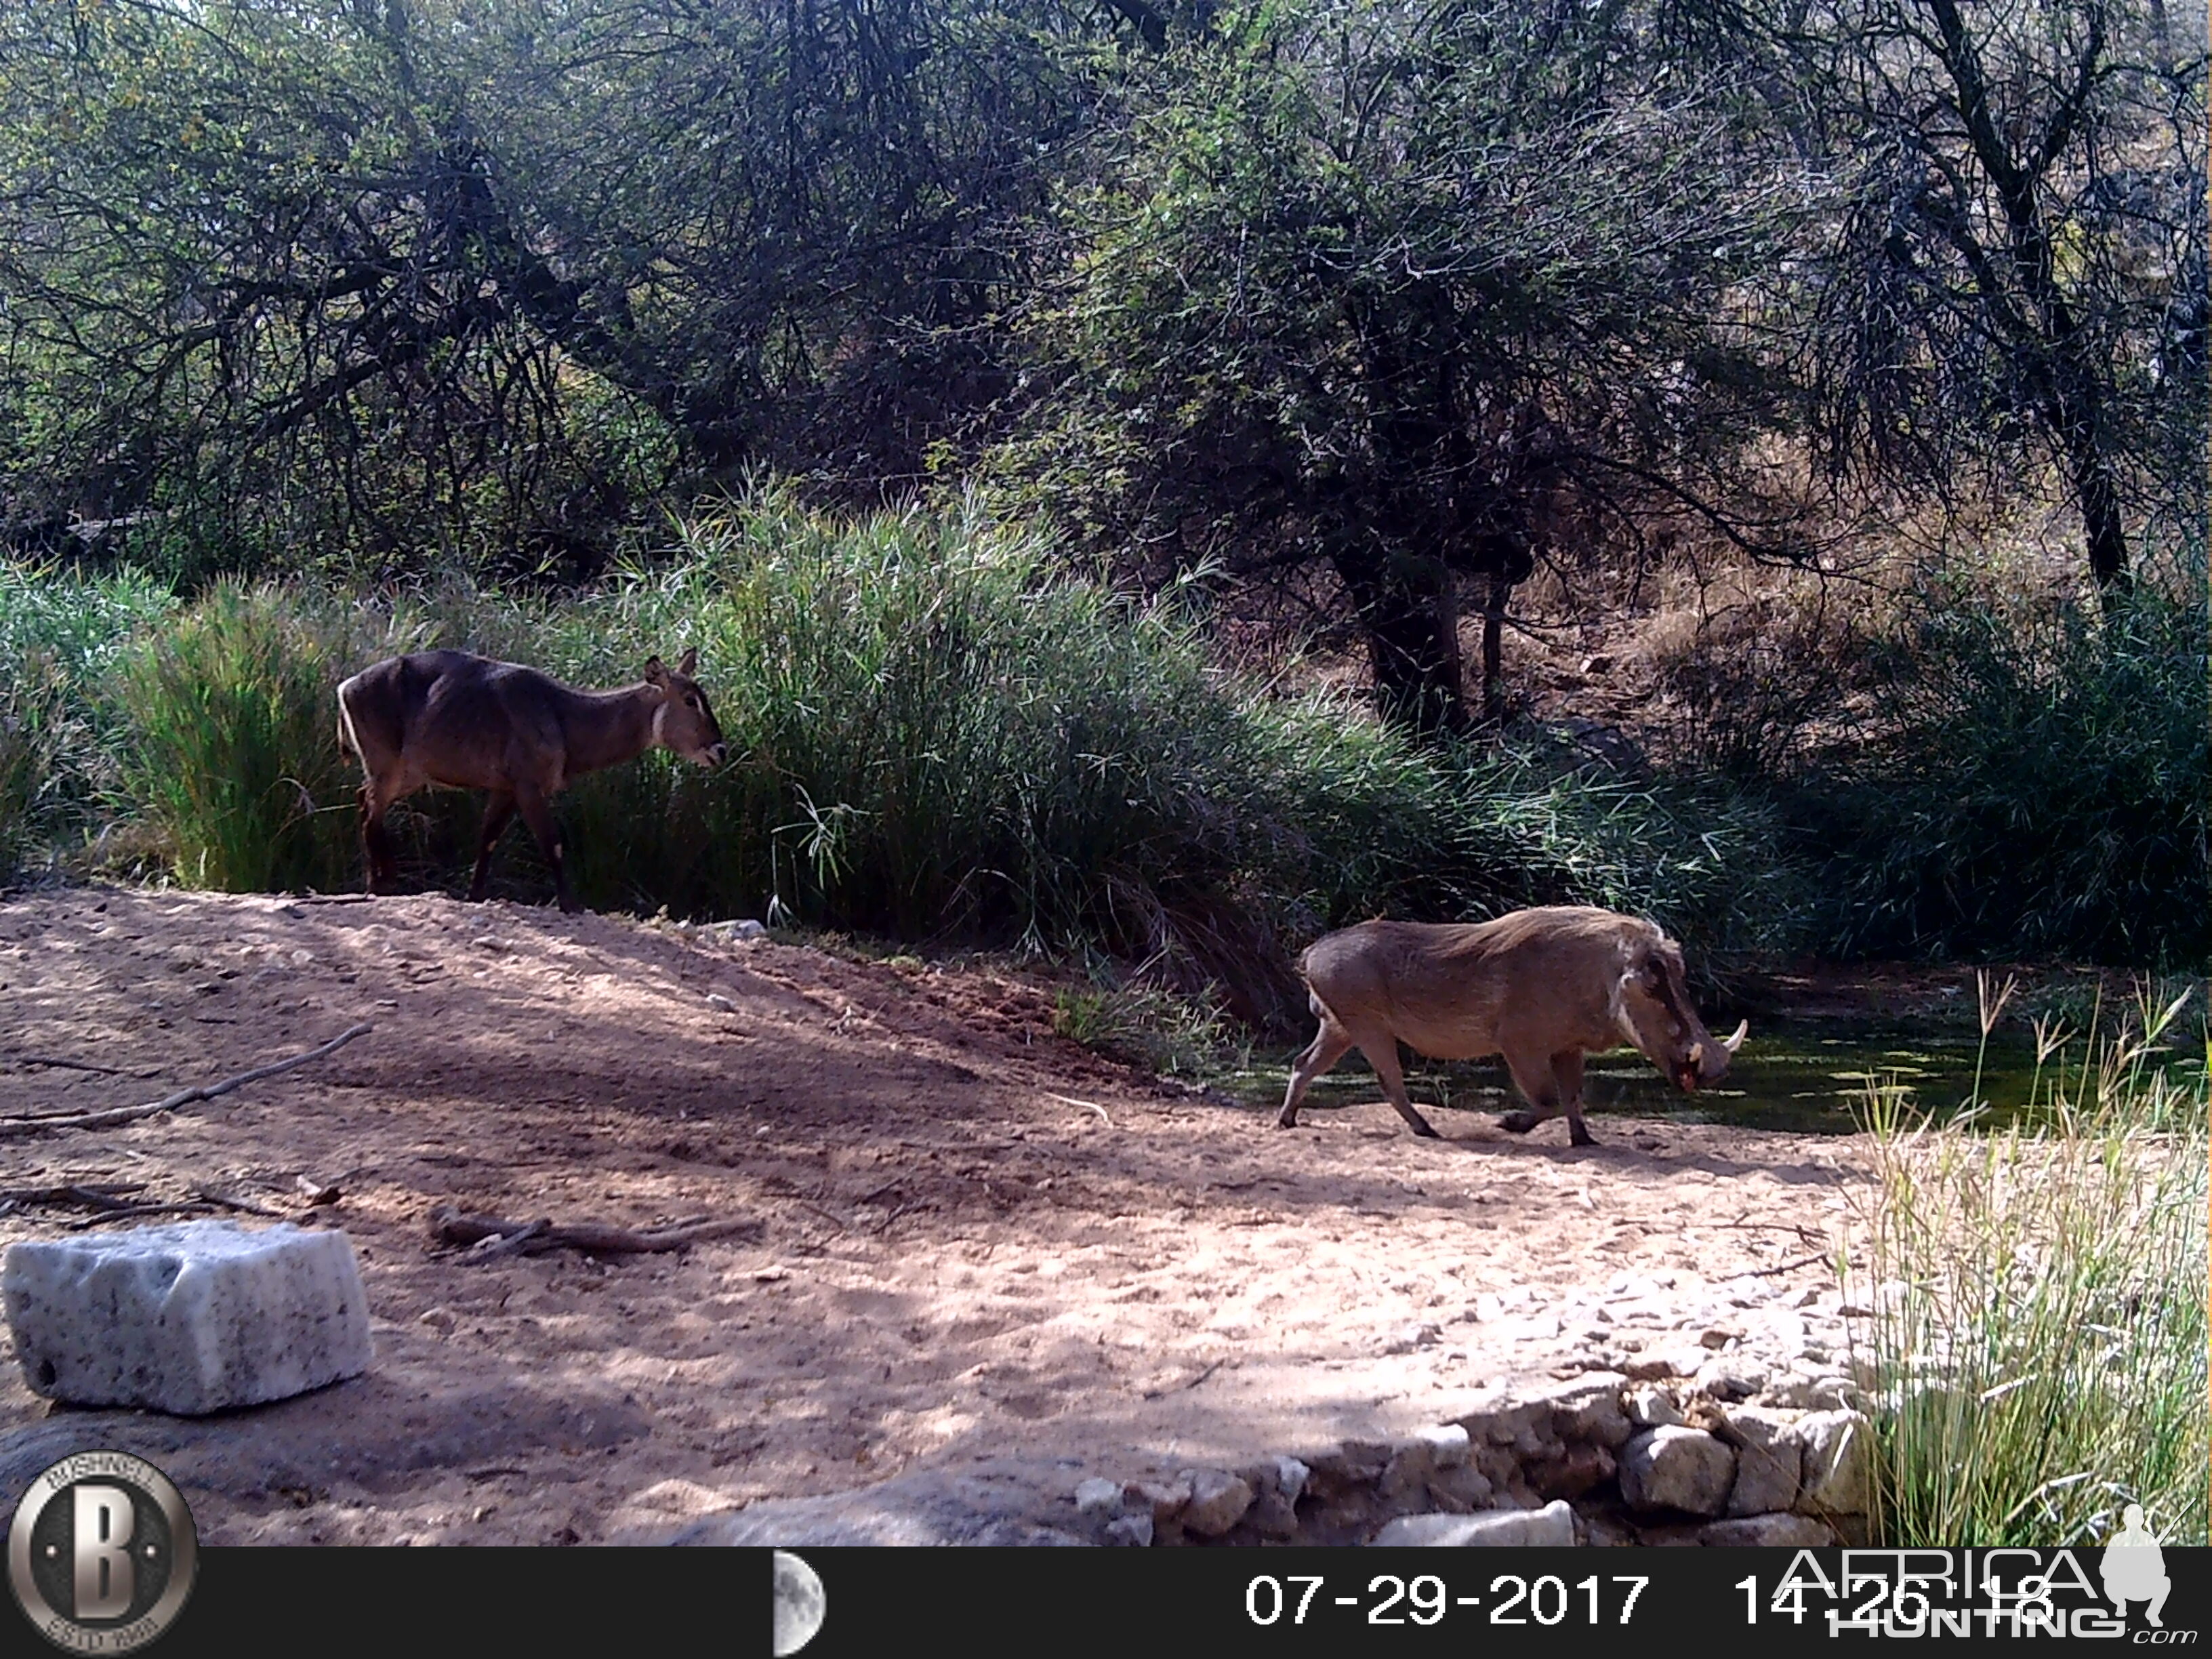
<point x="1518" y="1123"/>
<point x="1583" y="1138"/>
<point x="1285" y="1121"/>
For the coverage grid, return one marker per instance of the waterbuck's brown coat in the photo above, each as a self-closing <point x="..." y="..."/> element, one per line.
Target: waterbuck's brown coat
<point x="1543" y="987"/>
<point x="450" y="719"/>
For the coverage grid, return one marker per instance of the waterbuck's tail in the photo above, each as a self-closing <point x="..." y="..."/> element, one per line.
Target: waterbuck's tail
<point x="349" y="744"/>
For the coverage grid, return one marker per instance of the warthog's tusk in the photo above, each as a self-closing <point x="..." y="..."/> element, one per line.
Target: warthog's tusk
<point x="1733" y="1043"/>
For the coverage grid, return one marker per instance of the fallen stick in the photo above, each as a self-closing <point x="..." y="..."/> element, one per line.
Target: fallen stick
<point x="450" y="1225"/>
<point x="1087" y="1105"/>
<point x="68" y="1065"/>
<point x="187" y="1206"/>
<point x="19" y="1126"/>
<point x="87" y="1194"/>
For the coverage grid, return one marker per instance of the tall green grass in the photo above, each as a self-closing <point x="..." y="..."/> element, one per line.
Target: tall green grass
<point x="940" y="733"/>
<point x="2035" y="786"/>
<point x="62" y="636"/>
<point x="2038" y="1330"/>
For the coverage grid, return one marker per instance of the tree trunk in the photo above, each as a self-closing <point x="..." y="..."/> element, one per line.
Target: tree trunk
<point x="1493" y="624"/>
<point x="1413" y="641"/>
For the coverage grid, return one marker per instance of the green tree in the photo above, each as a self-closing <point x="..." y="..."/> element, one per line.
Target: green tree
<point x="1424" y="296"/>
<point x="2020" y="270"/>
<point x="378" y="276"/>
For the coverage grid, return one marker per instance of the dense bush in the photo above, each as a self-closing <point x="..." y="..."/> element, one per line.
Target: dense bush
<point x="939" y="734"/>
<point x="2039" y="788"/>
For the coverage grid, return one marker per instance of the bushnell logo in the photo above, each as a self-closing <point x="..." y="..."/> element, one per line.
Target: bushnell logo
<point x="101" y="1552"/>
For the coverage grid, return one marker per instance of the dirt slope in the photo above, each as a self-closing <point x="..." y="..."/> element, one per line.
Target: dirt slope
<point x="972" y="1239"/>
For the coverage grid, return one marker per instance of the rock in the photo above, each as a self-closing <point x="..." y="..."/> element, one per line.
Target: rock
<point x="1447" y="1444"/>
<point x="1677" y="1468"/>
<point x="1553" y="1526"/>
<point x="1657" y="1362"/>
<point x="1801" y="1393"/>
<point x="1218" y="1501"/>
<point x="1097" y="1497"/>
<point x="1800" y="1532"/>
<point x="1573" y="1473"/>
<point x="1290" y="1477"/>
<point x="1717" y="1337"/>
<point x="1730" y="1376"/>
<point x="1163" y="1500"/>
<point x="1588" y="1407"/>
<point x="1407" y="1338"/>
<point x="190" y="1318"/>
<point x="1768" y="1459"/>
<point x="1836" y="1446"/>
<point x="1653" y="1408"/>
<point x="922" y="1508"/>
<point x="1462" y="1490"/>
<point x="721" y="1004"/>
<point x="1130" y="1531"/>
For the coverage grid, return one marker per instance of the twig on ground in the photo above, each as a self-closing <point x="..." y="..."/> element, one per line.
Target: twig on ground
<point x="1802" y="1261"/>
<point x="67" y="1065"/>
<point x="17" y="1126"/>
<point x="89" y="1194"/>
<point x="1088" y="1106"/>
<point x="226" y="1201"/>
<point x="450" y="1225"/>
<point x="1185" y="1386"/>
<point x="185" y="1206"/>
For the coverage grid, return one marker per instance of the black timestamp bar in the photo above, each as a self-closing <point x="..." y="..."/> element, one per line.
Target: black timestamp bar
<point x="1548" y="1600"/>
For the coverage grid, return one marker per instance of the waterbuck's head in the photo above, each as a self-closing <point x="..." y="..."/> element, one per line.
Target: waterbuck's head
<point x="684" y="722"/>
<point x="1654" y="1013"/>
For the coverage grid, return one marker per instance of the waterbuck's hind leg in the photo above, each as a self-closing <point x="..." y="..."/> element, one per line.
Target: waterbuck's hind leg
<point x="383" y="874"/>
<point x="499" y="812"/>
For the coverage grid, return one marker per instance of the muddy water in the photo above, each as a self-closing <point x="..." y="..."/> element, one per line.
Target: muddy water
<point x="1811" y="1079"/>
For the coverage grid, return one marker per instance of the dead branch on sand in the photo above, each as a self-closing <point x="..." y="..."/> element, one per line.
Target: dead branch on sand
<point x="489" y="1236"/>
<point x="32" y="1125"/>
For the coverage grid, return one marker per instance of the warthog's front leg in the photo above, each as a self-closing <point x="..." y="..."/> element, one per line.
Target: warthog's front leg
<point x="1551" y="1085"/>
<point x="1384" y="1057"/>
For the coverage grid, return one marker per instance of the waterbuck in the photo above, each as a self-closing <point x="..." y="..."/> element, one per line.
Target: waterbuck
<point x="1543" y="987"/>
<point x="449" y="720"/>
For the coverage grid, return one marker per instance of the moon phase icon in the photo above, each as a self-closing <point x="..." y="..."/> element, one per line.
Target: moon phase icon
<point x="799" y="1604"/>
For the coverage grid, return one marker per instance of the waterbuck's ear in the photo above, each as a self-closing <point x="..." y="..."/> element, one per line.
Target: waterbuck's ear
<point x="654" y="673"/>
<point x="689" y="664"/>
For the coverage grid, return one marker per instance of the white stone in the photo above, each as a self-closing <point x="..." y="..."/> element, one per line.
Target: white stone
<point x="190" y="1318"/>
<point x="1653" y="1408"/>
<point x="1677" y="1468"/>
<point x="1218" y="1501"/>
<point x="1838" y="1446"/>
<point x="1551" y="1526"/>
<point x="1092" y="1497"/>
<point x="1447" y="1443"/>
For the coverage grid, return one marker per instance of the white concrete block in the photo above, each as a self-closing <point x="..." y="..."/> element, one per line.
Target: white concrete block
<point x="188" y="1318"/>
<point x="1551" y="1526"/>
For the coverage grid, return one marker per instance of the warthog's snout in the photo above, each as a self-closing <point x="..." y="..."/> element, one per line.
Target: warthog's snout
<point x="1708" y="1062"/>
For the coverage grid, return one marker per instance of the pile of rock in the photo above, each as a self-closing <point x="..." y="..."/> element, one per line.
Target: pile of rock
<point x="1599" y="1460"/>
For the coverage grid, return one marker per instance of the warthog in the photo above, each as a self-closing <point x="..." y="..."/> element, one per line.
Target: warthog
<point x="1543" y="987"/>
<point x="448" y="719"/>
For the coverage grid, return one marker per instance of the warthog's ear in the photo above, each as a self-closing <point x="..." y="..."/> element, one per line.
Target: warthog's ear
<point x="654" y="673"/>
<point x="690" y="665"/>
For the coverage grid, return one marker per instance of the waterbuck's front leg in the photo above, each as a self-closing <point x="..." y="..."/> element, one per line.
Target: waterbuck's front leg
<point x="539" y="817"/>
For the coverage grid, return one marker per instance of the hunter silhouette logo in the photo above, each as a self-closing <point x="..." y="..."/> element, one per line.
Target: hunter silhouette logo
<point x="2135" y="1568"/>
